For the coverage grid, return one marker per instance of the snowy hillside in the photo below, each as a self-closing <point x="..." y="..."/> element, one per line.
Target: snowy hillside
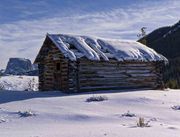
<point x="173" y="29"/>
<point x="53" y="114"/>
<point x="19" y="83"/>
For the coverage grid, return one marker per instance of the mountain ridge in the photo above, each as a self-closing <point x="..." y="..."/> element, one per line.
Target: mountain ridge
<point x="166" y="41"/>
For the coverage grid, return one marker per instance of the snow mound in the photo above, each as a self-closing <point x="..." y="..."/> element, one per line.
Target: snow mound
<point x="93" y="48"/>
<point x="19" y="83"/>
<point x="54" y="114"/>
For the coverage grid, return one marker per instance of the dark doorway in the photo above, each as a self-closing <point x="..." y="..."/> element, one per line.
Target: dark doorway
<point x="57" y="76"/>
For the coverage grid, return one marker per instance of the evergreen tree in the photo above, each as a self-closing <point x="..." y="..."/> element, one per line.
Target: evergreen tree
<point x="142" y="35"/>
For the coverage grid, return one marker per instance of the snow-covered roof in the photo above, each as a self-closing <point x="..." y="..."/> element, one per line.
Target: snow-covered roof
<point x="93" y="48"/>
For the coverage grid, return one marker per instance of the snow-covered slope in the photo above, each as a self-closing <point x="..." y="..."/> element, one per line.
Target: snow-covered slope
<point x="173" y="29"/>
<point x="19" y="83"/>
<point x="93" y="48"/>
<point x="60" y="115"/>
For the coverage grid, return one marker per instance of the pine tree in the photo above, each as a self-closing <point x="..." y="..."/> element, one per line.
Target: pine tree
<point x="142" y="35"/>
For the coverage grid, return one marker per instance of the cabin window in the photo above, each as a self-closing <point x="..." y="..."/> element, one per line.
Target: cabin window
<point x="57" y="66"/>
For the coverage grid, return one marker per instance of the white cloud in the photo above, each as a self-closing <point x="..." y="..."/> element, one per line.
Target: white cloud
<point x="24" y="38"/>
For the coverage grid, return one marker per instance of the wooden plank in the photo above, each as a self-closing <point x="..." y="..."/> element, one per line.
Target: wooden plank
<point x="134" y="63"/>
<point x="115" y="71"/>
<point x="107" y="82"/>
<point x="117" y="68"/>
<point x="115" y="88"/>
<point x="115" y="75"/>
<point x="117" y="79"/>
<point x="140" y="66"/>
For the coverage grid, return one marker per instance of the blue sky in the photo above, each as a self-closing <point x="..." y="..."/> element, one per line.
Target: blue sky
<point x="24" y="24"/>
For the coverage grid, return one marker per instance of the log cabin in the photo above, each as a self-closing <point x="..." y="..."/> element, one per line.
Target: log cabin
<point x="73" y="63"/>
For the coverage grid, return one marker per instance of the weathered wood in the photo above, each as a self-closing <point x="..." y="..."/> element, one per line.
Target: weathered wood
<point x="120" y="82"/>
<point x="108" y="71"/>
<point x="85" y="74"/>
<point x="114" y="88"/>
<point x="117" y="79"/>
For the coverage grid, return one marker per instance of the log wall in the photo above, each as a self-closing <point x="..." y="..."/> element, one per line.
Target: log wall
<point x="95" y="75"/>
<point x="86" y="75"/>
<point x="47" y="70"/>
<point x="73" y="80"/>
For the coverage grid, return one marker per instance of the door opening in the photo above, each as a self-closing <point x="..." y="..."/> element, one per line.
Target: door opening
<point x="57" y="76"/>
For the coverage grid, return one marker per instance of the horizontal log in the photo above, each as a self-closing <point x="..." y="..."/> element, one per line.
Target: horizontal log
<point x="109" y="82"/>
<point x="71" y="84"/>
<point x="102" y="77"/>
<point x="102" y="71"/>
<point x="48" y="86"/>
<point x="88" y="67"/>
<point x="48" y="77"/>
<point x="115" y="61"/>
<point x="49" y="63"/>
<point x="116" y="83"/>
<point x="71" y="79"/>
<point x="47" y="82"/>
<point x="117" y="79"/>
<point x="117" y="64"/>
<point x="48" y="71"/>
<point x="109" y="75"/>
<point x="135" y="63"/>
<point x="116" y="67"/>
<point x="114" y="88"/>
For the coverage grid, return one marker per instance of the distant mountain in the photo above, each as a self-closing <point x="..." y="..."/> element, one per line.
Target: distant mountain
<point x="166" y="40"/>
<point x="20" y="66"/>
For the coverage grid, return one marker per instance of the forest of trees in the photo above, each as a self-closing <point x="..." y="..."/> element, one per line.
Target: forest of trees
<point x="166" y="41"/>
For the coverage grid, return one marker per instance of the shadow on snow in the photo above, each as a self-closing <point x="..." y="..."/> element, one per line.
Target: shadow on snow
<point x="10" y="96"/>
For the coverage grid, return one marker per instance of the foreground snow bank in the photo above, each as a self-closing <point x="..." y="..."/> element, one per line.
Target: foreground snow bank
<point x="19" y="83"/>
<point x="61" y="115"/>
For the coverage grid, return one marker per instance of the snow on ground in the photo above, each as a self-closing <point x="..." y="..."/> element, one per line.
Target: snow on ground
<point x="61" y="115"/>
<point x="19" y="83"/>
